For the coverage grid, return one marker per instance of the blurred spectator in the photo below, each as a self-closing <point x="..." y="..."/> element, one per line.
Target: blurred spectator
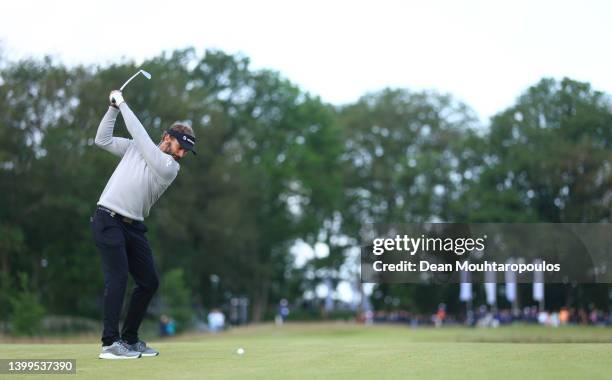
<point x="163" y="324"/>
<point x="216" y="320"/>
<point x="167" y="326"/>
<point x="369" y="317"/>
<point x="440" y="315"/>
<point x="564" y="316"/>
<point x="582" y="317"/>
<point x="283" y="312"/>
<point x="554" y="319"/>
<point x="543" y="318"/>
<point x="171" y="327"/>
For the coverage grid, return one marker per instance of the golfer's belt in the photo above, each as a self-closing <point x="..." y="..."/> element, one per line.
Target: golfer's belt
<point x="113" y="214"/>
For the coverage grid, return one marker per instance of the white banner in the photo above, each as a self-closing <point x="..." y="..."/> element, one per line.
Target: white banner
<point x="491" y="288"/>
<point x="538" y="284"/>
<point x="465" y="291"/>
<point x="510" y="284"/>
<point x="538" y="291"/>
<point x="465" y="288"/>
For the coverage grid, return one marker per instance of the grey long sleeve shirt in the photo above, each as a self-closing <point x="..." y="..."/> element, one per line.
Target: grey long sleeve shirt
<point x="144" y="172"/>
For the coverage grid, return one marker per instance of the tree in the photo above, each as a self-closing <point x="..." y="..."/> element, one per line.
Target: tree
<point x="549" y="156"/>
<point x="408" y="158"/>
<point x="26" y="310"/>
<point x="548" y="160"/>
<point x="177" y="298"/>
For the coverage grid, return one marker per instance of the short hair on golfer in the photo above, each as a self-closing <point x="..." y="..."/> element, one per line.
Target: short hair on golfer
<point x="179" y="127"/>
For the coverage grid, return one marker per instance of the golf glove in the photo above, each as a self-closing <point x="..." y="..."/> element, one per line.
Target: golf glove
<point x="116" y="98"/>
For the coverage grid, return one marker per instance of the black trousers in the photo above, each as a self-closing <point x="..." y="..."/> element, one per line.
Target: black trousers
<point x="124" y="249"/>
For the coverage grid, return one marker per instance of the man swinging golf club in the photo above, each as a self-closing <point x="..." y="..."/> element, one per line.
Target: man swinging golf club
<point x="143" y="174"/>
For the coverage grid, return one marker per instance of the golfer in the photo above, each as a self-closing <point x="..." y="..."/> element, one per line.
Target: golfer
<point x="143" y="174"/>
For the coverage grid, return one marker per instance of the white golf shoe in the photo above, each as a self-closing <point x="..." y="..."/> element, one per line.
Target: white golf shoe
<point x="118" y="350"/>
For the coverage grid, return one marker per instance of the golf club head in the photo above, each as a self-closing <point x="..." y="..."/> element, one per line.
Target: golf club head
<point x="143" y="72"/>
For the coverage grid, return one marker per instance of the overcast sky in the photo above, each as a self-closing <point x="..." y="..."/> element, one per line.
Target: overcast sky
<point x="483" y="52"/>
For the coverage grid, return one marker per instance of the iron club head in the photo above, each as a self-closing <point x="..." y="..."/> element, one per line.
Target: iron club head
<point x="143" y="72"/>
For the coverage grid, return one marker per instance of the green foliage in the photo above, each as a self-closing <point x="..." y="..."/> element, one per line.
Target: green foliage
<point x="277" y="165"/>
<point x="176" y="296"/>
<point x="11" y="244"/>
<point x="404" y="158"/>
<point x="26" y="310"/>
<point x="549" y="156"/>
<point x="6" y="293"/>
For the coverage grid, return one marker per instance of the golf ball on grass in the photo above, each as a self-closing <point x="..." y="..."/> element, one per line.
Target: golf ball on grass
<point x="240" y="351"/>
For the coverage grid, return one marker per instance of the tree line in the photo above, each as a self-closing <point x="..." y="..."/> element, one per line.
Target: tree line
<point x="275" y="165"/>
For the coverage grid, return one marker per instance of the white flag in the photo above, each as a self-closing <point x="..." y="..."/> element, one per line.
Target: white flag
<point x="538" y="284"/>
<point x="510" y="285"/>
<point x="465" y="288"/>
<point x="490" y="288"/>
<point x="538" y="291"/>
<point x="465" y="291"/>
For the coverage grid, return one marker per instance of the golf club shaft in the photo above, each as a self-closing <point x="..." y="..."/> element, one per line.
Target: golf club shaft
<point x="128" y="81"/>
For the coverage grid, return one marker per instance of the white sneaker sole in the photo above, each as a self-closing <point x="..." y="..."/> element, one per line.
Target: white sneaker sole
<point x="149" y="355"/>
<point x="108" y="355"/>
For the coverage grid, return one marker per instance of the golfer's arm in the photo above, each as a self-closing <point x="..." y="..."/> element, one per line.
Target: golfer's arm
<point x="162" y="164"/>
<point x="104" y="136"/>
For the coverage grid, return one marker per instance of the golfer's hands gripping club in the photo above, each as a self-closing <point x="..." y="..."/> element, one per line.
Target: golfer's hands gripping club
<point x="116" y="98"/>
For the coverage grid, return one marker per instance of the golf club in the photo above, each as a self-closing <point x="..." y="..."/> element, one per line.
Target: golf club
<point x="145" y="73"/>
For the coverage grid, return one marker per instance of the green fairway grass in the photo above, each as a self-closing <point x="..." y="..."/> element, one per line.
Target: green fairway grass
<point x="348" y="351"/>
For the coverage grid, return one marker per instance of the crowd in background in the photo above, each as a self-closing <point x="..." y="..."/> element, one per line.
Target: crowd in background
<point x="485" y="317"/>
